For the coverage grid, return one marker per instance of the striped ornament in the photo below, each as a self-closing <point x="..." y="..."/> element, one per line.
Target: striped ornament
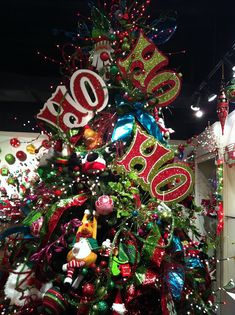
<point x="54" y="302"/>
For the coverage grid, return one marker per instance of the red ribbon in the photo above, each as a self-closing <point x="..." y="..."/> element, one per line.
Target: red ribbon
<point x="54" y="219"/>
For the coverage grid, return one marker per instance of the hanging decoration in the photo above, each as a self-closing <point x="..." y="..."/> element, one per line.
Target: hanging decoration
<point x="222" y="109"/>
<point x="222" y="104"/>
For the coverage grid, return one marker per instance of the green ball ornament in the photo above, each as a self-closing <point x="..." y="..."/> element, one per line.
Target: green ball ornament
<point x="165" y="215"/>
<point x="96" y="33"/>
<point x="112" y="37"/>
<point x="102" y="307"/>
<point x="101" y="292"/>
<point x="84" y="271"/>
<point x="11" y="181"/>
<point x="111" y="285"/>
<point x="95" y="307"/>
<point x="52" y="174"/>
<point x="126" y="46"/>
<point x="149" y="226"/>
<point x="114" y="70"/>
<point x="10" y="159"/>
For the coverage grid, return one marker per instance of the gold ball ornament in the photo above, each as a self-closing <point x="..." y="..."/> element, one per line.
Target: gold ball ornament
<point x="31" y="149"/>
<point x="165" y="214"/>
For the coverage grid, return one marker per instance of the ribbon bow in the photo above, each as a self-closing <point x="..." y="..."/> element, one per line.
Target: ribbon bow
<point x="126" y="120"/>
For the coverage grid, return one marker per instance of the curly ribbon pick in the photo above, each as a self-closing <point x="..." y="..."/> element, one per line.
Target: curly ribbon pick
<point x="15" y="230"/>
<point x="125" y="123"/>
<point x="56" y="245"/>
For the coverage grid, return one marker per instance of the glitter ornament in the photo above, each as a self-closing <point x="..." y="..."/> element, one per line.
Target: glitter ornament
<point x="145" y="71"/>
<point x="4" y="171"/>
<point x="30" y="149"/>
<point x="76" y="110"/>
<point x="88" y="289"/>
<point x="104" y="205"/>
<point x="102" y="307"/>
<point x="14" y="142"/>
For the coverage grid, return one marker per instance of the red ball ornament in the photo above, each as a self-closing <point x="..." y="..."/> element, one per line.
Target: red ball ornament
<point x="92" y="266"/>
<point x="125" y="16"/>
<point x="21" y="156"/>
<point x="180" y="147"/>
<point x="88" y="289"/>
<point x="58" y="145"/>
<point x="103" y="264"/>
<point x="98" y="270"/>
<point x="14" y="142"/>
<point x="104" y="56"/>
<point x="46" y="144"/>
<point x="112" y="232"/>
<point x="58" y="192"/>
<point x="119" y="77"/>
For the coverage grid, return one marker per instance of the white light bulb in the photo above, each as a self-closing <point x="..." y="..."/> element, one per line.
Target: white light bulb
<point x="199" y="114"/>
<point x="212" y="97"/>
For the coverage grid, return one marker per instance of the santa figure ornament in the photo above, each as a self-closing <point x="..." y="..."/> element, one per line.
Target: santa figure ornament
<point x="118" y="307"/>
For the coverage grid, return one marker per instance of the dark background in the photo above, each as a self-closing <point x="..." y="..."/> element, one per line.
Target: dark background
<point x="206" y="32"/>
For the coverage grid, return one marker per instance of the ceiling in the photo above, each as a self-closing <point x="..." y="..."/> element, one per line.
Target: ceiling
<point x="205" y="35"/>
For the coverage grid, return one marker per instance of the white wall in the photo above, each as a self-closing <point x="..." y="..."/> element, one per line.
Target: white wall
<point x="19" y="169"/>
<point x="226" y="248"/>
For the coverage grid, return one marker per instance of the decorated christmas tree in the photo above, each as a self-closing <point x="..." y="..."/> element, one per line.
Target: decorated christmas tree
<point x="108" y="221"/>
